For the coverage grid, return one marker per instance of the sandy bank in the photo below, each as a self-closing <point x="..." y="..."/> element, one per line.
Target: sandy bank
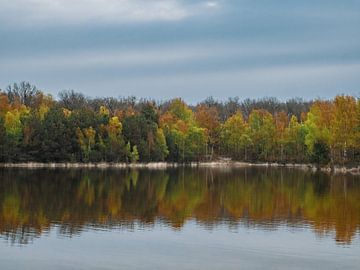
<point x="165" y="165"/>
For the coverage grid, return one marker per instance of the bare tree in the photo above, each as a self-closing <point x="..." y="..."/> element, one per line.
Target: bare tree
<point x="24" y="93"/>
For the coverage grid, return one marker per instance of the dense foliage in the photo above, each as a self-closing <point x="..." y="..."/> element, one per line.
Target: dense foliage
<point x="36" y="127"/>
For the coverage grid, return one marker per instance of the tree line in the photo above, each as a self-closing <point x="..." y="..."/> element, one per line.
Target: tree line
<point x="74" y="128"/>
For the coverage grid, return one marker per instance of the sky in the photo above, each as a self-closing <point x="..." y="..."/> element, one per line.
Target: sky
<point x="191" y="49"/>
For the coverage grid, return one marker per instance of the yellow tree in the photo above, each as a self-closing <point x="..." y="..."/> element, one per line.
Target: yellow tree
<point x="234" y="136"/>
<point x="281" y="122"/>
<point x="186" y="141"/>
<point x="343" y="125"/>
<point x="86" y="140"/>
<point x="318" y="131"/>
<point x="295" y="140"/>
<point x="114" y="128"/>
<point x="115" y="148"/>
<point x="262" y="133"/>
<point x="42" y="105"/>
<point x="357" y="129"/>
<point x="12" y="123"/>
<point x="318" y="122"/>
<point x="4" y="104"/>
<point x="208" y="118"/>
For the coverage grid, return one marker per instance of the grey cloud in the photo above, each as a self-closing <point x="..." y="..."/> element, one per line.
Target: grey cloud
<point x="68" y="12"/>
<point x="188" y="48"/>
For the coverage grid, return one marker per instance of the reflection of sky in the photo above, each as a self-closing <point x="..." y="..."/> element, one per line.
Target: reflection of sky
<point x="193" y="247"/>
<point x="187" y="48"/>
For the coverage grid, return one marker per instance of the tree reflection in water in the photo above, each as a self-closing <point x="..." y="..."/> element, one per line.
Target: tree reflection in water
<point x="32" y="202"/>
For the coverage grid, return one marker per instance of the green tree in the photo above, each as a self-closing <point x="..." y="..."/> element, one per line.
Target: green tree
<point x="186" y="141"/>
<point x="295" y="147"/>
<point x="3" y="149"/>
<point x="57" y="136"/>
<point x="235" y="137"/>
<point x="262" y="132"/>
<point x="318" y="131"/>
<point x="134" y="155"/>
<point x="115" y="145"/>
<point x="141" y="129"/>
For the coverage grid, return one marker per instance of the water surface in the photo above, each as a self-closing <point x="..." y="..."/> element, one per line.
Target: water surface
<point x="178" y="219"/>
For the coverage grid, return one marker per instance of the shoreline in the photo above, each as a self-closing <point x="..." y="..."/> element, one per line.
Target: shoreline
<point x="166" y="165"/>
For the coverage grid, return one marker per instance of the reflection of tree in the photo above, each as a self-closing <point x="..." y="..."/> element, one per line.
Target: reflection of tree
<point x="183" y="195"/>
<point x="31" y="202"/>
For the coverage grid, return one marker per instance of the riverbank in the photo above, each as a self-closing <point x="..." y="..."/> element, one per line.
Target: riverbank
<point x="165" y="165"/>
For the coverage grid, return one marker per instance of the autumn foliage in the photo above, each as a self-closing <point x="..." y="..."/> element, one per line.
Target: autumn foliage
<point x="36" y="127"/>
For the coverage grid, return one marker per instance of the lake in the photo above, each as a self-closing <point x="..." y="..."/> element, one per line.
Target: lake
<point x="185" y="218"/>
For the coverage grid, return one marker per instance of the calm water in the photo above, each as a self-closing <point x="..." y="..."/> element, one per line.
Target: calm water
<point x="178" y="219"/>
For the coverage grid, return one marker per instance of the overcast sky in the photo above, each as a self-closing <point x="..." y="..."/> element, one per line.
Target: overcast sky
<point x="183" y="48"/>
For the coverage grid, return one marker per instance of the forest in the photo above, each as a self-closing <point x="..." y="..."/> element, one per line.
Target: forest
<point x="36" y="127"/>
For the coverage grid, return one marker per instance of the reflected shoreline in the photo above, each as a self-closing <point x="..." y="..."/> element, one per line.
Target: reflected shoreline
<point x="33" y="201"/>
